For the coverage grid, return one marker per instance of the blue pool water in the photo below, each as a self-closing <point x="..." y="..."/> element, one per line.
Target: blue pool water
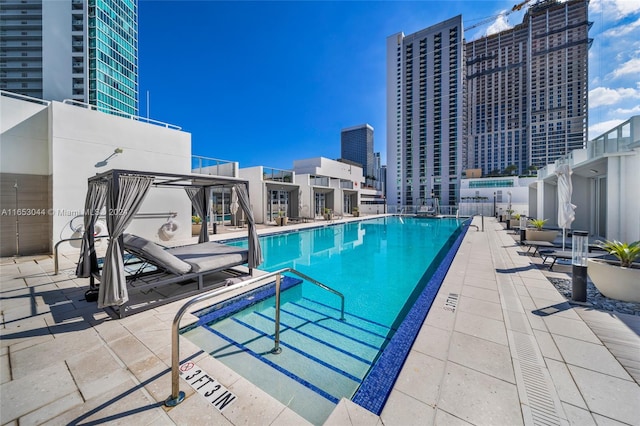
<point x="382" y="266"/>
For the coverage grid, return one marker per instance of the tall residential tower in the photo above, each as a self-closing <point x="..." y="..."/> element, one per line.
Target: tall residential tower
<point x="508" y="102"/>
<point x="425" y="114"/>
<point x="527" y="89"/>
<point x="85" y="50"/>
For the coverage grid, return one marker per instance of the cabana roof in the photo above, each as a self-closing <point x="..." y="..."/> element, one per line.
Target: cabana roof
<point x="174" y="179"/>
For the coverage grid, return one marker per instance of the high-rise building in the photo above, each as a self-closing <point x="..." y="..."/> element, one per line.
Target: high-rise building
<point x="356" y="144"/>
<point x="425" y="114"/>
<point x="527" y="89"/>
<point x="507" y="102"/>
<point x="84" y="50"/>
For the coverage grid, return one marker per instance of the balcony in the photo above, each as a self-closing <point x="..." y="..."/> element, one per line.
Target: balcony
<point x="319" y="181"/>
<point x="277" y="175"/>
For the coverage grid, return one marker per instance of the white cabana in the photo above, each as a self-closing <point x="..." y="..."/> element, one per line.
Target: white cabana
<point x="124" y="192"/>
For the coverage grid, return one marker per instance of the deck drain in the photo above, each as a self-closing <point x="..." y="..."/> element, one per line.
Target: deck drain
<point x="452" y="302"/>
<point x="536" y="382"/>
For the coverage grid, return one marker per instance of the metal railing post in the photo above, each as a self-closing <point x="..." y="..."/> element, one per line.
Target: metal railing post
<point x="177" y="396"/>
<point x="277" y="349"/>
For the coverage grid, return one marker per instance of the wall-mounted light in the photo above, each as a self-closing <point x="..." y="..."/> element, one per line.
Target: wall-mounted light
<point x="106" y="160"/>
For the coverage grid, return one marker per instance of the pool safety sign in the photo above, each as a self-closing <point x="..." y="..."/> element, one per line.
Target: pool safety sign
<point x="219" y="396"/>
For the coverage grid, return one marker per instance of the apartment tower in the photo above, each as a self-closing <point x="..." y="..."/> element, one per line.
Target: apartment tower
<point x="84" y="50"/>
<point x="527" y="90"/>
<point x="425" y="114"/>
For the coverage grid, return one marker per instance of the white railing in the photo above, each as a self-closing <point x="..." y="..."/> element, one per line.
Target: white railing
<point x="24" y="98"/>
<point x="119" y="113"/>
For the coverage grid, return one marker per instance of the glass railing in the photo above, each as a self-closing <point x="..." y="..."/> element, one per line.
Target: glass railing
<point x="319" y="181"/>
<point x="277" y="175"/>
<point x="213" y="166"/>
<point x="422" y="209"/>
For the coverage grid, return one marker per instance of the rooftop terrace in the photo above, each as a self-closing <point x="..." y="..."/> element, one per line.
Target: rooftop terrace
<point x="509" y="350"/>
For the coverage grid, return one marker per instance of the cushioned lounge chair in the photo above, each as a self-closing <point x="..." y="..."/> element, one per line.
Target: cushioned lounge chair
<point x="186" y="262"/>
<point x="151" y="267"/>
<point x="563" y="254"/>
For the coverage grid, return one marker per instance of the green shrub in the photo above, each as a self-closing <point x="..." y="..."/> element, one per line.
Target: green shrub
<point x="624" y="252"/>
<point x="537" y="223"/>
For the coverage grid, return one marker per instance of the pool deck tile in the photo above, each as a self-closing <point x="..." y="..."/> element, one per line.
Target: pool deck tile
<point x="512" y="349"/>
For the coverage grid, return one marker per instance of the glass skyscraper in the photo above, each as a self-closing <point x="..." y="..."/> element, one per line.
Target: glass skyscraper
<point x="84" y="50"/>
<point x="356" y="144"/>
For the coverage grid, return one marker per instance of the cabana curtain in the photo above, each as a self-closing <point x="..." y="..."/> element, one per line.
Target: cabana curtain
<point x="124" y="198"/>
<point x="255" y="252"/>
<point x="88" y="262"/>
<point x="200" y="200"/>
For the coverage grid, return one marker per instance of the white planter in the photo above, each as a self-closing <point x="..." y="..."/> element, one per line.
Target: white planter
<point x="536" y="235"/>
<point x="614" y="281"/>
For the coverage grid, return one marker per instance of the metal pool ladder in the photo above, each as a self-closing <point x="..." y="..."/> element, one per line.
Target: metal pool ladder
<point x="177" y="396"/>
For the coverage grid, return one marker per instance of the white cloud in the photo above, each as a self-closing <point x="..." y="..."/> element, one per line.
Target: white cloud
<point x="614" y="9"/>
<point x="622" y="30"/>
<point x="628" y="111"/>
<point x="500" y="24"/>
<point x="598" y="129"/>
<point x="601" y="96"/>
<point x="632" y="66"/>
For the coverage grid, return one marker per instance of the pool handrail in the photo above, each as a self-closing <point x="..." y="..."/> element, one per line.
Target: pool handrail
<point x="178" y="396"/>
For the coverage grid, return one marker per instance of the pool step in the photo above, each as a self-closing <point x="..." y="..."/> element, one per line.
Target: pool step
<point x="318" y="349"/>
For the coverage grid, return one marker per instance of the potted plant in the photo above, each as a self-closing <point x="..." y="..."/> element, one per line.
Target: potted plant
<point x="328" y="214"/>
<point x="281" y="219"/>
<point x="617" y="280"/>
<point x="196" y="225"/>
<point x="538" y="233"/>
<point x="515" y="221"/>
<point x="509" y="213"/>
<point x="355" y="211"/>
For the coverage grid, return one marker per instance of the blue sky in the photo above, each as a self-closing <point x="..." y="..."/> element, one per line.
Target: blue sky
<point x="265" y="83"/>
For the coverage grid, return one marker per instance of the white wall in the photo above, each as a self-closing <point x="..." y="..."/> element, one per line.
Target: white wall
<point x="327" y="167"/>
<point x="82" y="144"/>
<point x="257" y="191"/>
<point x="24" y="132"/>
<point x="623" y="181"/>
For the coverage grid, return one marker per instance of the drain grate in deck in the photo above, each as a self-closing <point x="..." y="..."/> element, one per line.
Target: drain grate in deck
<point x="536" y="381"/>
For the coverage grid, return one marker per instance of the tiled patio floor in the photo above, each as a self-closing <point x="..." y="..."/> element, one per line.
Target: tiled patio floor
<point x="511" y="352"/>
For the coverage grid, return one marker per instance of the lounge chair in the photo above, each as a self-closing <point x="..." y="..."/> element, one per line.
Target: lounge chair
<point x="186" y="262"/>
<point x="564" y="254"/>
<point x="151" y="266"/>
<point x="537" y="245"/>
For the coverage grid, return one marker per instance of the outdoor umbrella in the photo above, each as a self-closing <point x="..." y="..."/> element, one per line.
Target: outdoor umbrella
<point x="566" y="210"/>
<point x="233" y="207"/>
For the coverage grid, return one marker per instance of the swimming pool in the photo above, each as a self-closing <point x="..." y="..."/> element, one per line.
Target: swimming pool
<point x="385" y="267"/>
